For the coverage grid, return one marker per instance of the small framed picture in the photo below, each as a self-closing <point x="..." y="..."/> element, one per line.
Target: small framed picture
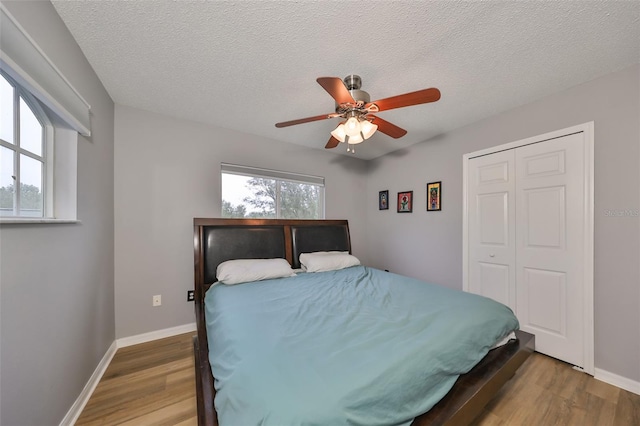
<point x="383" y="200"/>
<point x="405" y="202"/>
<point x="434" y="196"/>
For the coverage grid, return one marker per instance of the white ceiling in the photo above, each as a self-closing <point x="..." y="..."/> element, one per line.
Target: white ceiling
<point x="245" y="65"/>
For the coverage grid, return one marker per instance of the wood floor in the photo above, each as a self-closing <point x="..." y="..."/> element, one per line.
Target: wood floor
<point x="546" y="391"/>
<point x="153" y="384"/>
<point x="147" y="384"/>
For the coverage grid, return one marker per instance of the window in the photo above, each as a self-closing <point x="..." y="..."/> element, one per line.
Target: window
<point x="25" y="140"/>
<point x="260" y="193"/>
<point x="38" y="178"/>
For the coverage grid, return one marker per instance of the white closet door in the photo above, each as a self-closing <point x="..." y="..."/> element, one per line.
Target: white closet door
<point x="491" y="225"/>
<point x="550" y="206"/>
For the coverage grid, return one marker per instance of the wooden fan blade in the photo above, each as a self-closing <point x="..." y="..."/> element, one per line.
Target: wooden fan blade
<point x="414" y="98"/>
<point x="336" y="88"/>
<point x="333" y="142"/>
<point x="388" y="128"/>
<point x="304" y="120"/>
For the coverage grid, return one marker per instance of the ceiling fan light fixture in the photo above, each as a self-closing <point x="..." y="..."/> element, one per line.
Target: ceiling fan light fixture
<point x="367" y="128"/>
<point x="364" y="130"/>
<point x="353" y="140"/>
<point x="352" y="127"/>
<point x="339" y="132"/>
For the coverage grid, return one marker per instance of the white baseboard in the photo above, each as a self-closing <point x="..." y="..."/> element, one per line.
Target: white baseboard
<point x="77" y="407"/>
<point x="155" y="335"/>
<point x="619" y="381"/>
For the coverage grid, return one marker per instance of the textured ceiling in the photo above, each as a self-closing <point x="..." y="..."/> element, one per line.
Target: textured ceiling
<point x="246" y="65"/>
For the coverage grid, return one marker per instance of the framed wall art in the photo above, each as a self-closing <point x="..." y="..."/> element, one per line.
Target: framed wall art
<point x="383" y="200"/>
<point x="434" y="196"/>
<point x="405" y="202"/>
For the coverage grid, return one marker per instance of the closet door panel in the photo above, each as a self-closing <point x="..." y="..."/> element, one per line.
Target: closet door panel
<point x="550" y="207"/>
<point x="491" y="245"/>
<point x="544" y="217"/>
<point x="546" y="298"/>
<point x="494" y="282"/>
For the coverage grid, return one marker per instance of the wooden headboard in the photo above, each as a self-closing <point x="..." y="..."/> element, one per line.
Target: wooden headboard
<point x="218" y="240"/>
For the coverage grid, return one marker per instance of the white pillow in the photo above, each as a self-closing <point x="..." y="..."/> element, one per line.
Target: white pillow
<point x="327" y="261"/>
<point x="245" y="270"/>
<point x="320" y="253"/>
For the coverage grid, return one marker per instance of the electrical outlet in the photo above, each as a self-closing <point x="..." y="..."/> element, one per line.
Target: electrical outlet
<point x="157" y="300"/>
<point x="190" y="296"/>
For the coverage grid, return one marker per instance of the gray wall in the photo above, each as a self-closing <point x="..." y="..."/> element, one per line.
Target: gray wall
<point x="428" y="245"/>
<point x="56" y="281"/>
<point x="168" y="172"/>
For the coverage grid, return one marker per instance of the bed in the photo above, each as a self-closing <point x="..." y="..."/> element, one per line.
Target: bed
<point x="218" y="240"/>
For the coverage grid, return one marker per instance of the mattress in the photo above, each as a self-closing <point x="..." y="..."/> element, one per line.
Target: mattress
<point x="357" y="346"/>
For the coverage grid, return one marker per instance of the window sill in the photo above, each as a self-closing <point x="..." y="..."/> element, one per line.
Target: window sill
<point x="33" y="220"/>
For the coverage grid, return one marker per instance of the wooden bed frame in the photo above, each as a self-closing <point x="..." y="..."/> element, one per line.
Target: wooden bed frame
<point x="217" y="240"/>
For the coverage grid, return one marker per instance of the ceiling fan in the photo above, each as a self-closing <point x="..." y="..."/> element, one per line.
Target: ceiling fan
<point x="355" y="107"/>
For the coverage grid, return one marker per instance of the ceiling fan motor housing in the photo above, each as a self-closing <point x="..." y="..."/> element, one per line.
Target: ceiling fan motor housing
<point x="354" y="83"/>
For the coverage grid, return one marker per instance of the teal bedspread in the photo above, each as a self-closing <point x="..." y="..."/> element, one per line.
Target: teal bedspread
<point x="357" y="346"/>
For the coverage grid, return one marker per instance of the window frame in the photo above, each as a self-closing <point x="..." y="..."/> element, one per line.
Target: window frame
<point x="69" y="113"/>
<point x="279" y="177"/>
<point x="47" y="148"/>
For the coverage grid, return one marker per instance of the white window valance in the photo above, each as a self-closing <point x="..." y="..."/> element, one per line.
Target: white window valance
<point x="271" y="174"/>
<point x="25" y="62"/>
